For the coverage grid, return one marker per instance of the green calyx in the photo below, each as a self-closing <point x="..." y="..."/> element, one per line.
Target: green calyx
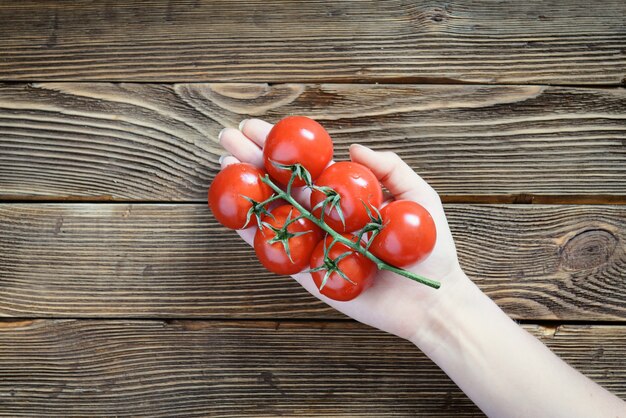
<point x="331" y="201"/>
<point x="258" y="209"/>
<point x="297" y="172"/>
<point x="331" y="265"/>
<point x="283" y="235"/>
<point x="374" y="226"/>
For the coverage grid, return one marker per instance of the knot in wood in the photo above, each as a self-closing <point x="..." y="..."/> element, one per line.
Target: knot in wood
<point x="437" y="14"/>
<point x="588" y="249"/>
<point x="426" y="17"/>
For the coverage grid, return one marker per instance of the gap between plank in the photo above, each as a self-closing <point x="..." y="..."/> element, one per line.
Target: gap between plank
<point x="519" y="198"/>
<point x="432" y="81"/>
<point x="167" y="320"/>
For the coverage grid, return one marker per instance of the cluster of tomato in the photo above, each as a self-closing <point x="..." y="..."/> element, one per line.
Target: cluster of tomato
<point x="345" y="196"/>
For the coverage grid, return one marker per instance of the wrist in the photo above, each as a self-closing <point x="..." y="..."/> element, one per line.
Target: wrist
<point x="503" y="369"/>
<point x="444" y="319"/>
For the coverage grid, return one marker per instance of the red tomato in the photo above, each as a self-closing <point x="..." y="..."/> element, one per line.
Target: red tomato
<point x="408" y="235"/>
<point x="273" y="255"/>
<point x="297" y="139"/>
<point x="226" y="194"/>
<point x="356" y="185"/>
<point x="356" y="267"/>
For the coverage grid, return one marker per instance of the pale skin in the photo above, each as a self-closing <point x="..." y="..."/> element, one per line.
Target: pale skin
<point x="503" y="369"/>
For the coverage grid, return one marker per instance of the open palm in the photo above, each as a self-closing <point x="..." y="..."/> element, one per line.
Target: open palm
<point x="393" y="303"/>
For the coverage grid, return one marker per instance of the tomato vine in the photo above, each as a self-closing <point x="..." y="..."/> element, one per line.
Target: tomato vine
<point x="298" y="171"/>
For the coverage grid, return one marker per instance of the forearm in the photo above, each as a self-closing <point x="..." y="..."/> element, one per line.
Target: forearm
<point x="501" y="367"/>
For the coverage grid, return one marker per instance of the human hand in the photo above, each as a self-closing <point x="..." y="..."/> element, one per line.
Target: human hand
<point x="393" y="303"/>
<point x="447" y="324"/>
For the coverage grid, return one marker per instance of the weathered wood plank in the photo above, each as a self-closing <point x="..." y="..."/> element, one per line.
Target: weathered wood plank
<point x="147" y="260"/>
<point x="194" y="368"/>
<point x="158" y="142"/>
<point x="557" y="42"/>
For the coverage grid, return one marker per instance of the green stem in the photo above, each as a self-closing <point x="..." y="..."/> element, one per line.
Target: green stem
<point x="355" y="246"/>
<point x="421" y="279"/>
<point x="270" y="200"/>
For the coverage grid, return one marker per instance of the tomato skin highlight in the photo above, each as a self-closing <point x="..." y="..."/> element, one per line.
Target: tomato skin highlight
<point x="356" y="184"/>
<point x="355" y="266"/>
<point x="273" y="256"/>
<point x="297" y="139"/>
<point x="408" y="236"/>
<point x="226" y="193"/>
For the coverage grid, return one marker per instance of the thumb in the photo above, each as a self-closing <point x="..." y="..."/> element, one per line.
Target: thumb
<point x="395" y="175"/>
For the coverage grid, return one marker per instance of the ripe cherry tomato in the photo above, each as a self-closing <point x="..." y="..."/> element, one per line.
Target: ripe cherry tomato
<point x="408" y="235"/>
<point x="226" y="194"/>
<point x="356" y="267"/>
<point x="297" y="139"/>
<point x="273" y="255"/>
<point x="356" y="185"/>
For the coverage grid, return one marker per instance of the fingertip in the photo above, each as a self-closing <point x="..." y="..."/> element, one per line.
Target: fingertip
<point x="242" y="124"/>
<point x="256" y="129"/>
<point x="219" y="135"/>
<point x="357" y="149"/>
<point x="237" y="144"/>
<point x="225" y="136"/>
<point x="359" y="152"/>
<point x="226" y="160"/>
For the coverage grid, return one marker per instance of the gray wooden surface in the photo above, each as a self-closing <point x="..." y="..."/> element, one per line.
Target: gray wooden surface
<point x="121" y="296"/>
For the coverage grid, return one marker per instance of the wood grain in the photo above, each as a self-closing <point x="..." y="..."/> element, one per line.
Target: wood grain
<point x="148" y="260"/>
<point x="557" y="42"/>
<point x="158" y="142"/>
<point x="224" y="369"/>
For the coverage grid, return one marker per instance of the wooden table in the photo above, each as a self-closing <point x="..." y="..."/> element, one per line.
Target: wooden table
<point x="119" y="293"/>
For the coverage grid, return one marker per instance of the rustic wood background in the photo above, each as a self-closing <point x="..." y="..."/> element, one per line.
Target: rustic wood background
<point x="121" y="296"/>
